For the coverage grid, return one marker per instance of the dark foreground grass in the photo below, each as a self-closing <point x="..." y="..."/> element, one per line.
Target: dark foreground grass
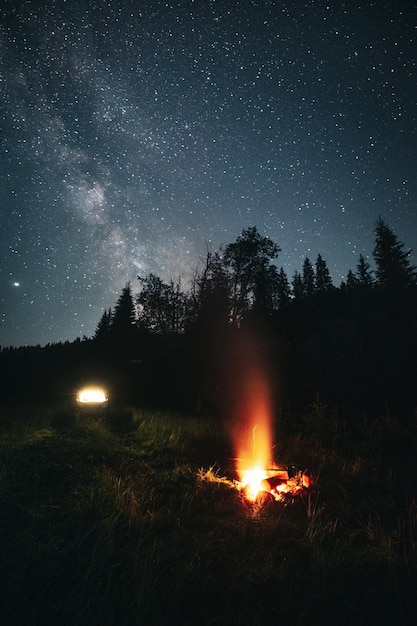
<point x="133" y="520"/>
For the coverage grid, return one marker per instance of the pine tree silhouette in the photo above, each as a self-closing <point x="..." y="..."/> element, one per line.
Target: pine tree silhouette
<point x="104" y="325"/>
<point x="123" y="326"/>
<point x="393" y="268"/>
<point x="323" y="281"/>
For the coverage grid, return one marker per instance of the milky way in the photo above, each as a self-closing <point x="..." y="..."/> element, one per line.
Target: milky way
<point x="134" y="134"/>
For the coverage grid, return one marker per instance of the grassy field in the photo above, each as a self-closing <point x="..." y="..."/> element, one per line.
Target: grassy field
<point x="132" y="519"/>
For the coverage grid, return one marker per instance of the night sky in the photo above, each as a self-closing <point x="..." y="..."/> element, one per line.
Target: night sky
<point x="134" y="134"/>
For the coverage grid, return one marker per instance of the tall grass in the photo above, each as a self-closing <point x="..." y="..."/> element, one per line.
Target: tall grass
<point x="132" y="518"/>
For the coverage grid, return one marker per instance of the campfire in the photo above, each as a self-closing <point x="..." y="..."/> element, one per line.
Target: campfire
<point x="252" y="394"/>
<point x="258" y="473"/>
<point x="253" y="432"/>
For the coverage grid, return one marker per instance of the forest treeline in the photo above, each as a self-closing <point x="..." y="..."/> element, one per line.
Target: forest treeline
<point x="165" y="345"/>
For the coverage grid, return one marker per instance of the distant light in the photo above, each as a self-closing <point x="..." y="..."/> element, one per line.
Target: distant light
<point x="92" y="395"/>
<point x="16" y="284"/>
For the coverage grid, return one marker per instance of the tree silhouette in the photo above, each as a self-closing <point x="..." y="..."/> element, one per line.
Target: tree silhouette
<point x="211" y="292"/>
<point x="351" y="280"/>
<point x="364" y="273"/>
<point x="323" y="281"/>
<point x="104" y="325"/>
<point x="297" y="285"/>
<point x="393" y="268"/>
<point x="251" y="273"/>
<point x="362" y="277"/>
<point x="123" y="324"/>
<point x="283" y="289"/>
<point x="308" y="278"/>
<point x="164" y="308"/>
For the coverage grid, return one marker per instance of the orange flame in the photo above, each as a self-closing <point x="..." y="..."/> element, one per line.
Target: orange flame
<point x="253" y="432"/>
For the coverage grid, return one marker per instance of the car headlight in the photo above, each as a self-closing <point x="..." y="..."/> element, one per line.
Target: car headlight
<point x="92" y="395"/>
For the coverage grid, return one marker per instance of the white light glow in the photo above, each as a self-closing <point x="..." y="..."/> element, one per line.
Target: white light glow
<point x="92" y="395"/>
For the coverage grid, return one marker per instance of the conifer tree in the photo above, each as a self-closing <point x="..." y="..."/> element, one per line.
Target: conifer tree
<point x="351" y="280"/>
<point x="124" y="316"/>
<point x="393" y="268"/>
<point x="297" y="286"/>
<point x="323" y="281"/>
<point x="283" y="289"/>
<point x="364" y="273"/>
<point x="104" y="325"/>
<point x="308" y="278"/>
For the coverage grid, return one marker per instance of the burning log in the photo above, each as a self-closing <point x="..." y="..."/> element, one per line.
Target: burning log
<point x="278" y="483"/>
<point x="273" y="482"/>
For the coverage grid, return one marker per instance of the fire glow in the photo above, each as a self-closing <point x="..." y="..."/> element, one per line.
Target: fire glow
<point x="253" y="434"/>
<point x="257" y="472"/>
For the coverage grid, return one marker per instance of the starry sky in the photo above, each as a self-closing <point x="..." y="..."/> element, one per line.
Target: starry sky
<point x="135" y="133"/>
